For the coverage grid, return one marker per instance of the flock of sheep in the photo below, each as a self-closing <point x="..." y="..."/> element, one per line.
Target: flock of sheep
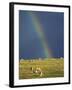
<point x="37" y="71"/>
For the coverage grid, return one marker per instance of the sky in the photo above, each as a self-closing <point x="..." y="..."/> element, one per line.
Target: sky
<point x="41" y="34"/>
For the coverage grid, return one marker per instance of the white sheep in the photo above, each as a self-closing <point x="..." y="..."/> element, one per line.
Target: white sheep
<point x="37" y="71"/>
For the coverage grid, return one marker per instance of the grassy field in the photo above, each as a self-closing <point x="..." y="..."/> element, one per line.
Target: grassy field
<point x="50" y="68"/>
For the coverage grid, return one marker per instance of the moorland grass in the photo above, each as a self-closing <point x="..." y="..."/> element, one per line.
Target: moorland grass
<point x="51" y="68"/>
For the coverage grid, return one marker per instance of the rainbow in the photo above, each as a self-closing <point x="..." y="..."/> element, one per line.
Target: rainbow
<point x="39" y="31"/>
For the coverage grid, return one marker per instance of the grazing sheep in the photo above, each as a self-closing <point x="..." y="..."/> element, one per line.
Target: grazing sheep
<point x="41" y="74"/>
<point x="31" y="68"/>
<point x="37" y="71"/>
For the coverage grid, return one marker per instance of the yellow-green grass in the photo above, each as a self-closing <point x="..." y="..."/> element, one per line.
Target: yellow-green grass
<point x="53" y="67"/>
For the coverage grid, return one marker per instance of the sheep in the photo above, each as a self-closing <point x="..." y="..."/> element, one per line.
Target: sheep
<point x="37" y="71"/>
<point x="41" y="74"/>
<point x="31" y="68"/>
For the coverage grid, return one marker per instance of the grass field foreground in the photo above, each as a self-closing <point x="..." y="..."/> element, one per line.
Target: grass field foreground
<point x="53" y="67"/>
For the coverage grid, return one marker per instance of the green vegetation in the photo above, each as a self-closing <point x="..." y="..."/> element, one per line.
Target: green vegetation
<point x="53" y="67"/>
